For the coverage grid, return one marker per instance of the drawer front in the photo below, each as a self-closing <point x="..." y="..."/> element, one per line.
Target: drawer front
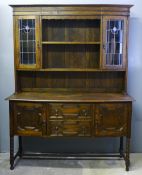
<point x="29" y="119"/>
<point x="70" y="111"/>
<point x="111" y="119"/>
<point x="70" y="128"/>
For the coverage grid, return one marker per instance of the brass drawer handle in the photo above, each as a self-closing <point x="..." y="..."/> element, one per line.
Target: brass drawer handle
<point x="29" y="127"/>
<point x="18" y="113"/>
<point x="56" y="128"/>
<point x="56" y="112"/>
<point x="70" y="133"/>
<point x="84" y="112"/>
<point x="39" y="114"/>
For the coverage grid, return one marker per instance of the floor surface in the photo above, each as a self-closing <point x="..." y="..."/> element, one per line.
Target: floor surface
<point x="71" y="167"/>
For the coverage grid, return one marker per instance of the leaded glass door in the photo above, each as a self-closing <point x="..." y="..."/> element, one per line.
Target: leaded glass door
<point x="114" y="44"/>
<point x="27" y="42"/>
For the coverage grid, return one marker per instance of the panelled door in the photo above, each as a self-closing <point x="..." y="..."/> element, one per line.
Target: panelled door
<point x="29" y="119"/>
<point x="111" y="119"/>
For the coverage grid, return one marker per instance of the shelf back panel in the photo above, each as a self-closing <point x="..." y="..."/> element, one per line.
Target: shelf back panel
<point x="71" y="56"/>
<point x="71" y="30"/>
<point x="96" y="81"/>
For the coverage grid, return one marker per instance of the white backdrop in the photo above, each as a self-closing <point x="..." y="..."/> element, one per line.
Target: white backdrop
<point x="134" y="73"/>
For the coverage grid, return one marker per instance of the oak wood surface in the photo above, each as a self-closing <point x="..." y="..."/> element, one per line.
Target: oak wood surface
<point x="70" y="96"/>
<point x="71" y="91"/>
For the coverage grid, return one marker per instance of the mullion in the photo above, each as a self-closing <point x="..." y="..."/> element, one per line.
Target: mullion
<point x="27" y="46"/>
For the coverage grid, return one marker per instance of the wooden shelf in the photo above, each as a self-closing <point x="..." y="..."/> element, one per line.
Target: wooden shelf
<point x="70" y="96"/>
<point x="68" y="42"/>
<point x="71" y="70"/>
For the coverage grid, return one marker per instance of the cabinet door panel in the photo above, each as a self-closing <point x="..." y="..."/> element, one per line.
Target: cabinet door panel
<point x="27" y="42"/>
<point x="111" y="119"/>
<point x="29" y="119"/>
<point x="114" y="42"/>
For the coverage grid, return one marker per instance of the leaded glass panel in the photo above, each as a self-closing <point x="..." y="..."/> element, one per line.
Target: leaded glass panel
<point x="114" y="42"/>
<point x="27" y="41"/>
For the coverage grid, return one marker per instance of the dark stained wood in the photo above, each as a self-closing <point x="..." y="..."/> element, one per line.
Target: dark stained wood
<point x="70" y="119"/>
<point x="29" y="119"/>
<point x="70" y="96"/>
<point x="108" y="120"/>
<point x="70" y="56"/>
<point x="66" y="42"/>
<point x="70" y="91"/>
<point x="71" y="70"/>
<point x="104" y="81"/>
<point x="63" y="10"/>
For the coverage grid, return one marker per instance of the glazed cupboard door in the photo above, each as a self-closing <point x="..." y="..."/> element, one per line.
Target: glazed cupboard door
<point x="114" y="42"/>
<point x="27" y="42"/>
<point x="111" y="119"/>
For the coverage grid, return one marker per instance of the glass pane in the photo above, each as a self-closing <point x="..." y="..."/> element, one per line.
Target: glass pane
<point x="114" y="59"/>
<point x="27" y="41"/>
<point x="114" y="42"/>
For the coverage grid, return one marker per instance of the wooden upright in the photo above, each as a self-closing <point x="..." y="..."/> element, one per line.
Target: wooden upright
<point x="70" y="73"/>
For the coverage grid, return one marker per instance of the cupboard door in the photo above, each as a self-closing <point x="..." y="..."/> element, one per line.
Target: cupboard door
<point x="27" y="42"/>
<point x="111" y="119"/>
<point x="114" y="42"/>
<point x="29" y="119"/>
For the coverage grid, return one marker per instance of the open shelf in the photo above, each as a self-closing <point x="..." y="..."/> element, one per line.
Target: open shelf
<point x="71" y="56"/>
<point x="68" y="31"/>
<point x="71" y="45"/>
<point x="98" y="81"/>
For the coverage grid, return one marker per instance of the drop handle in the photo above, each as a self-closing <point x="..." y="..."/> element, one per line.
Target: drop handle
<point x="39" y="114"/>
<point x="56" y="128"/>
<point x="84" y="112"/>
<point x="56" y="112"/>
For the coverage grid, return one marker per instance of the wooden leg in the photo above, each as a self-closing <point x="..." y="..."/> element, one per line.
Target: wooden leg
<point x="20" y="147"/>
<point x="11" y="152"/>
<point x="121" y="147"/>
<point x="127" y="158"/>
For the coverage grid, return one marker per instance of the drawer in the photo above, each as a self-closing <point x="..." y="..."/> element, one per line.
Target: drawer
<point x="69" y="110"/>
<point x="29" y="118"/>
<point x="70" y="128"/>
